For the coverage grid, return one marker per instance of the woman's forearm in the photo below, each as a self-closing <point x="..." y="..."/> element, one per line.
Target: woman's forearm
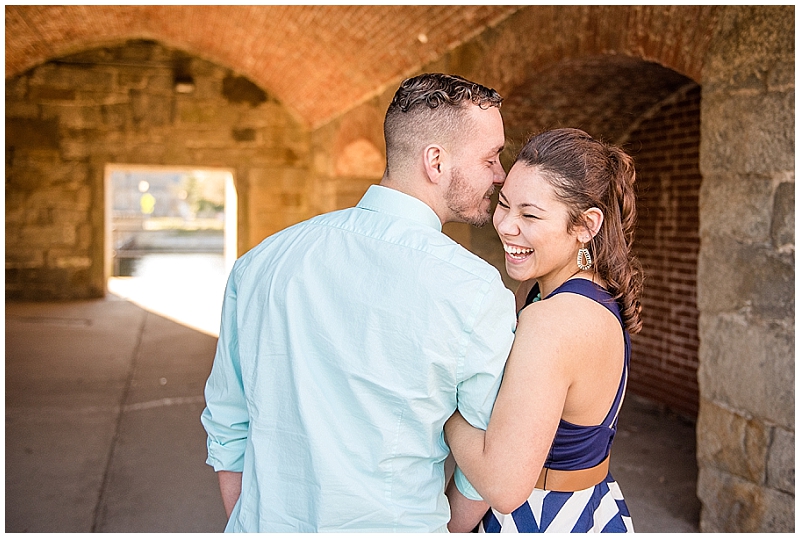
<point x="498" y="476"/>
<point x="467" y="444"/>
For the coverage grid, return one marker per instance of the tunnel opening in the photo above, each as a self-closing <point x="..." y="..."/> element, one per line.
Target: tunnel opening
<point x="171" y="240"/>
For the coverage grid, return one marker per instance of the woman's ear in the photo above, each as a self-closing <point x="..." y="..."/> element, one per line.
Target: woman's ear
<point x="433" y="156"/>
<point x="593" y="220"/>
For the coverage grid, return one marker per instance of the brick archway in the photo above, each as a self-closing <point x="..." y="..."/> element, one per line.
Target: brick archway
<point x="654" y="113"/>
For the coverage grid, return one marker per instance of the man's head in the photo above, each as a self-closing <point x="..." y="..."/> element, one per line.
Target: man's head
<point x="444" y="135"/>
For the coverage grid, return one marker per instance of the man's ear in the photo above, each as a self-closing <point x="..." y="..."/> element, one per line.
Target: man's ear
<point x="433" y="158"/>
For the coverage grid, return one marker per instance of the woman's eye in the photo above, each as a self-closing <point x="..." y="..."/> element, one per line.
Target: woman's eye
<point x="529" y="216"/>
<point x="501" y="204"/>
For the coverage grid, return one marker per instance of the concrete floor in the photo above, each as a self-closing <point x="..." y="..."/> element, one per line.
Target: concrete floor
<point x="103" y="400"/>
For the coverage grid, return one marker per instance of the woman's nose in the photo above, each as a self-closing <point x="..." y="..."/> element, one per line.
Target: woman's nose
<point x="504" y="224"/>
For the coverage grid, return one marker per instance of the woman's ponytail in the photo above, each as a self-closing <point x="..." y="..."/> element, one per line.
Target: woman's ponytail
<point x="587" y="173"/>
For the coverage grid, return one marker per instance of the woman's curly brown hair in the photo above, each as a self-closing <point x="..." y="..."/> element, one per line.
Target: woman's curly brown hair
<point x="588" y="173"/>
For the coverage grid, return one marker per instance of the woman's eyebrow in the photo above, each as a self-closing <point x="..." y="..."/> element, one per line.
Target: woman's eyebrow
<point x="522" y="205"/>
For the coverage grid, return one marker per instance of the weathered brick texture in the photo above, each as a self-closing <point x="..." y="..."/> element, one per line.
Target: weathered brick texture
<point x="665" y="148"/>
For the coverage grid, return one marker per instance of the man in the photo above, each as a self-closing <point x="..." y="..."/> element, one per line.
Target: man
<point x="348" y="340"/>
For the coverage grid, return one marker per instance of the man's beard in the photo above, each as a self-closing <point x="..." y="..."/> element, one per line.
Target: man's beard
<point x="461" y="201"/>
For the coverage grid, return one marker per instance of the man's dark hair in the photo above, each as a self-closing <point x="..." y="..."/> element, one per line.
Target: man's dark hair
<point x="430" y="108"/>
<point x="435" y="89"/>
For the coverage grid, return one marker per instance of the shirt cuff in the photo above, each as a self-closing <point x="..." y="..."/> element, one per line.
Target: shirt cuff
<point x="463" y="485"/>
<point x="226" y="458"/>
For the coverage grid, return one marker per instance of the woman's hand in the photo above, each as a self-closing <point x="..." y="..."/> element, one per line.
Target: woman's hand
<point x="465" y="514"/>
<point x="454" y="424"/>
<point x="504" y="462"/>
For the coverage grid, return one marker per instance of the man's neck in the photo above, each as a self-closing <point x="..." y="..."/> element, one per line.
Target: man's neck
<point x="410" y="188"/>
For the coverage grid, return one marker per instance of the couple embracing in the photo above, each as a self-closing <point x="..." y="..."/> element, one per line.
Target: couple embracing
<point x="359" y="348"/>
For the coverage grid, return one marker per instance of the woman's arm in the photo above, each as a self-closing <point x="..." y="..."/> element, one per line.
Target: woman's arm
<point x="465" y="514"/>
<point x="504" y="462"/>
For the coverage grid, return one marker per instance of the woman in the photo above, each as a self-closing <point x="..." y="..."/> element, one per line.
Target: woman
<point x="542" y="464"/>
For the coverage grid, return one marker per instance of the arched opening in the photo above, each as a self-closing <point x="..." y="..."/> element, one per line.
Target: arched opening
<point x="654" y="114"/>
<point x="358" y="165"/>
<point x="171" y="239"/>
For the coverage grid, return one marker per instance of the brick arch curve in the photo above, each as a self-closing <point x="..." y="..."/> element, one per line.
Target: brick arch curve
<point x="654" y="113"/>
<point x="297" y="52"/>
<point x="675" y="37"/>
<point x="602" y="94"/>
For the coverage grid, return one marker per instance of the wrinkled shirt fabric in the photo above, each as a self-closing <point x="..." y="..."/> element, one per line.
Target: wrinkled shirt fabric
<point x="346" y="342"/>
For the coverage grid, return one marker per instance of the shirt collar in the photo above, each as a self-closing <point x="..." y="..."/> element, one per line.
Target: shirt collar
<point x="393" y="202"/>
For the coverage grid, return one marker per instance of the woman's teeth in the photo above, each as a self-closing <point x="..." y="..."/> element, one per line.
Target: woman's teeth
<point x="517" y="252"/>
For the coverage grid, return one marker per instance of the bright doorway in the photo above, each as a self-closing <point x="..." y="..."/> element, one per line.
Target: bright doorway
<point x="171" y="240"/>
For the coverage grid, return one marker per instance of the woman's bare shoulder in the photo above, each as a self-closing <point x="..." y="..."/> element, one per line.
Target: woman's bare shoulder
<point x="567" y="315"/>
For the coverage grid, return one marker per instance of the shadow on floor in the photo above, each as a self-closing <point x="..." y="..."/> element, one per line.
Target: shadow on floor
<point x="103" y="434"/>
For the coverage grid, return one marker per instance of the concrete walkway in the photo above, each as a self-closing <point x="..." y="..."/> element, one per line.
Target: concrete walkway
<point x="103" y="400"/>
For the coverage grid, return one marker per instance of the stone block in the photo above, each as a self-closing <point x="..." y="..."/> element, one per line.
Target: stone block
<point x="736" y="205"/>
<point x="47" y="236"/>
<point x="114" y="115"/>
<point x="752" y="276"/>
<point x="76" y="149"/>
<point x="780" y="461"/>
<point x="748" y="364"/>
<point x="132" y="78"/>
<point x="731" y="504"/>
<point x="160" y="83"/>
<point x="73" y="262"/>
<point x="782" y="227"/>
<point x="243" y="135"/>
<point x="731" y="443"/>
<point x="24" y="110"/>
<point x="204" y="137"/>
<point x="147" y="152"/>
<point x="74" y="117"/>
<point x="779" y="515"/>
<point x="138" y="51"/>
<point x="83" y="197"/>
<point x="781" y="77"/>
<point x="747" y="133"/>
<point x="69" y="216"/>
<point x="16" y="89"/>
<point x="25" y="259"/>
<point x="150" y="110"/>
<point x="85" y="77"/>
<point x="47" y="93"/>
<point x="84" y="234"/>
<point x="32" y="133"/>
<point x="748" y="42"/>
<point x="192" y="112"/>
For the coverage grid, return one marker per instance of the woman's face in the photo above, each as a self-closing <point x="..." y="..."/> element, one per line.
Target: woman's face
<point x="532" y="224"/>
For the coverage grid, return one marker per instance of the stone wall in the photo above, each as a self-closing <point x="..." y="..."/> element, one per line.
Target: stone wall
<point x="67" y="119"/>
<point x="745" y="430"/>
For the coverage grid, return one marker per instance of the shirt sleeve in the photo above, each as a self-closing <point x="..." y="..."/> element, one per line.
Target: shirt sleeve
<point x="492" y="336"/>
<point x="225" y="417"/>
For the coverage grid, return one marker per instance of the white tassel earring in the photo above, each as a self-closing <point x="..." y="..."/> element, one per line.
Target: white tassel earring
<point x="584" y="258"/>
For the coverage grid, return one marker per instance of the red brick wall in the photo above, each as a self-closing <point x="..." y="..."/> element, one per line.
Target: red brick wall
<point x="666" y="151"/>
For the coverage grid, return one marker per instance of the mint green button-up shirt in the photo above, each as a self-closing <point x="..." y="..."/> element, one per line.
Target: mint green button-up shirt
<point x="346" y="342"/>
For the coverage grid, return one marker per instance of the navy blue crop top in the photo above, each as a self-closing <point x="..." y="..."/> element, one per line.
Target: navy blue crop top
<point x="581" y="447"/>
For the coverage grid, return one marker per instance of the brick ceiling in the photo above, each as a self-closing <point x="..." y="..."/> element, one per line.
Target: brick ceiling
<point x="318" y="60"/>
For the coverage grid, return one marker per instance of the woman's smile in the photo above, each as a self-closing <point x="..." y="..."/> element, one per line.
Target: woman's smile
<point x="516" y="254"/>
